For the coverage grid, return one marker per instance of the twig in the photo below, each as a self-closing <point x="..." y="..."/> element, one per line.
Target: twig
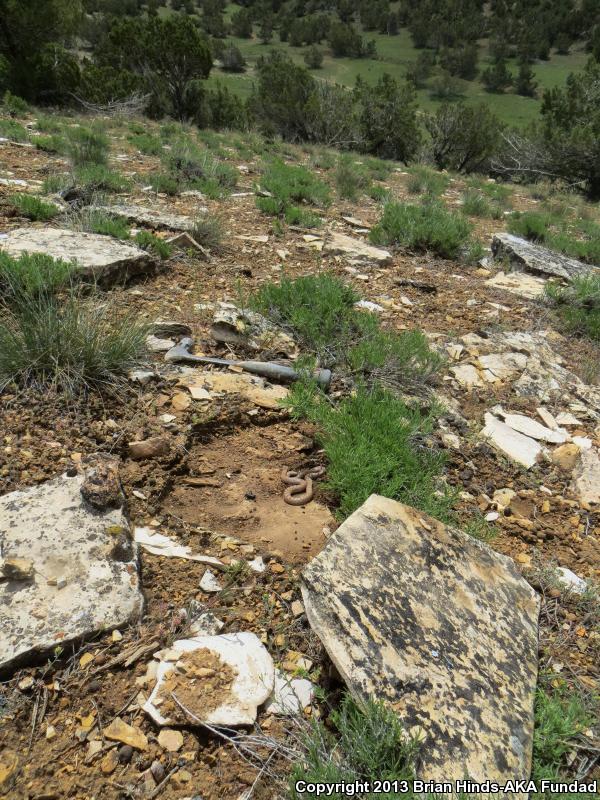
<point x="99" y="721"/>
<point x="164" y="782"/>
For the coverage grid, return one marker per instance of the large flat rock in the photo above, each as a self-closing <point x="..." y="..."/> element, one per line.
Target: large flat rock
<point x="357" y="251"/>
<point x="440" y="627"/>
<point x="85" y="571"/>
<point x="535" y="258"/>
<point x="151" y="218"/>
<point x="102" y="258"/>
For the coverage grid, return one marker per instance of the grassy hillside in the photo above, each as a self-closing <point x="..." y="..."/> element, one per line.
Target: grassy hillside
<point x="394" y="54"/>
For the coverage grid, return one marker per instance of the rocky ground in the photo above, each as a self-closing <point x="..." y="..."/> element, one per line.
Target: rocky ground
<point x="211" y="480"/>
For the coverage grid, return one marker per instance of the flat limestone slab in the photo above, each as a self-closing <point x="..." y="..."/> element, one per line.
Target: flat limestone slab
<point x="519" y="283"/>
<point x="535" y="258"/>
<point x="85" y="571"/>
<point x="100" y="257"/>
<point x="159" y="220"/>
<point x="440" y="627"/>
<point x="356" y="250"/>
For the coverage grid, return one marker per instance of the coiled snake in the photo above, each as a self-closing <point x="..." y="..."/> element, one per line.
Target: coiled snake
<point x="300" y="489"/>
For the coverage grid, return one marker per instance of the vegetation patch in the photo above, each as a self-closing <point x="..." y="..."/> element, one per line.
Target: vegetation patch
<point x="578" y="304"/>
<point x="289" y="185"/>
<point x="360" y="743"/>
<point x="568" y="234"/>
<point x="86" y="146"/>
<point x="10" y="129"/>
<point x="154" y="244"/>
<point x="34" y="208"/>
<point x="32" y="273"/>
<point x="424" y="180"/>
<point x="428" y="227"/>
<point x="208" y="231"/>
<point x="53" y="333"/>
<point x="98" y="178"/>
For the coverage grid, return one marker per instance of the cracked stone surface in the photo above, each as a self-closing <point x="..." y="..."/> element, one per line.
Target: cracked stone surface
<point x="535" y="258"/>
<point x="151" y="218"/>
<point x="356" y="250"/>
<point x="100" y="257"/>
<point x="85" y="569"/>
<point x="440" y="627"/>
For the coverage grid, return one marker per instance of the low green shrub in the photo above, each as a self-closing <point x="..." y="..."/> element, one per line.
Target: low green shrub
<point x="350" y="178"/>
<point x="97" y="220"/>
<point x="50" y="144"/>
<point x="294" y="184"/>
<point x="424" y="180"/>
<point x="33" y="207"/>
<point x="361" y="743"/>
<point x="13" y="105"/>
<point x="86" y="147"/>
<point x="146" y="143"/>
<point x="393" y="359"/>
<point x="294" y="215"/>
<point x="475" y="204"/>
<point x="98" y="178"/>
<point x="318" y="308"/>
<point x="374" y="444"/>
<point x="68" y="342"/>
<point x="154" y="244"/>
<point x="208" y="231"/>
<point x="9" y="129"/>
<point x="32" y="273"/>
<point x="574" y="236"/>
<point x="578" y="304"/>
<point x="429" y="227"/>
<point x="530" y="225"/>
<point x="162" y="183"/>
<point x="57" y="183"/>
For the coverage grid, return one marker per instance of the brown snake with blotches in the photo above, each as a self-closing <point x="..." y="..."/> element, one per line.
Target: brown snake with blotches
<point x="300" y="489"/>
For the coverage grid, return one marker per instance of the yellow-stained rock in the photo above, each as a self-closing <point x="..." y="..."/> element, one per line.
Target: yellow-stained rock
<point x="437" y="625"/>
<point x="120" y="731"/>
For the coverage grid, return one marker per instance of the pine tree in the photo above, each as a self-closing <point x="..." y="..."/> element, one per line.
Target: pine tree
<point x="526" y="84"/>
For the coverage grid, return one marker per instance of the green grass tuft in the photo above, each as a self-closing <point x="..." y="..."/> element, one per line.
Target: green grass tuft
<point x="375" y="443"/>
<point x="98" y="178"/>
<point x="33" y="207"/>
<point x="208" y="231"/>
<point x="578" y="304"/>
<point x="146" y="143"/>
<point x="162" y="183"/>
<point x="351" y="178"/>
<point x="32" y="273"/>
<point x="154" y="244"/>
<point x="428" y="227"/>
<point x="9" y="129"/>
<point x="86" y="146"/>
<point x="424" y="180"/>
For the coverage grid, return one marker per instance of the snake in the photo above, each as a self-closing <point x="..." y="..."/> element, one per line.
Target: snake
<point x="300" y="489"/>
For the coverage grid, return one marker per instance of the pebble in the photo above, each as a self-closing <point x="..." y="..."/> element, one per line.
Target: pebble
<point x="125" y="754"/>
<point x="158" y="771"/>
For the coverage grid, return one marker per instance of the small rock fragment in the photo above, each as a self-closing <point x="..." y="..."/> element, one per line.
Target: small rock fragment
<point x="17" y="569"/>
<point x="120" y="731"/>
<point x="170" y="740"/>
<point x="209" y="582"/>
<point x="149" y="448"/>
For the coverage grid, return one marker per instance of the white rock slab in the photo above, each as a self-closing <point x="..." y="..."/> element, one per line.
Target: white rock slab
<point x="290" y="695"/>
<point x="535" y="258"/>
<point x="503" y="365"/>
<point x="572" y="581"/>
<point x="515" y="445"/>
<point x="439" y="626"/>
<point x="253" y="682"/>
<point x="152" y="218"/>
<point x="85" y="570"/>
<point x="534" y="429"/>
<point x="159" y="545"/>
<point x="519" y="283"/>
<point x="101" y="258"/>
<point x="467" y="375"/>
<point x="356" y="250"/>
<point x="586" y="477"/>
